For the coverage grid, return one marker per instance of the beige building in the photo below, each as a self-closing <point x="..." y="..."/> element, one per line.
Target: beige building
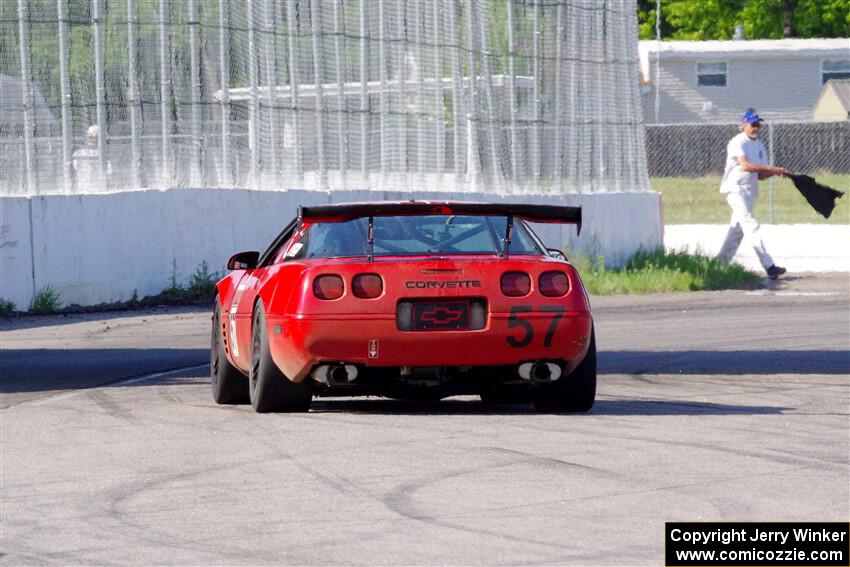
<point x="715" y="81"/>
<point x="834" y="102"/>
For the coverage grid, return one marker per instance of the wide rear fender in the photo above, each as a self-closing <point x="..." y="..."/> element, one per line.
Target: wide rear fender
<point x="226" y="287"/>
<point x="279" y="289"/>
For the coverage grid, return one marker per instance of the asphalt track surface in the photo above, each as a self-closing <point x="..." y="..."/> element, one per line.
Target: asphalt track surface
<point x="711" y="407"/>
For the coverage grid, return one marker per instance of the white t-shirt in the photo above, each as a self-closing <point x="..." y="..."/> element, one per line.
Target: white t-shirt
<point x="736" y="179"/>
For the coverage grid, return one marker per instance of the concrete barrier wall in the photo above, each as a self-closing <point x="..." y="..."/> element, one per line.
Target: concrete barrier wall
<point x="796" y="247"/>
<point x="104" y="248"/>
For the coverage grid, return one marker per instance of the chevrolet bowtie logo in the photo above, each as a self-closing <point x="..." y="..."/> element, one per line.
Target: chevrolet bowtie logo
<point x="441" y="315"/>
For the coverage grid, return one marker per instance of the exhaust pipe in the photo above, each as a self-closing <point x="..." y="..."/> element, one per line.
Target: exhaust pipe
<point x="539" y="371"/>
<point x="338" y="373"/>
<point x="334" y="373"/>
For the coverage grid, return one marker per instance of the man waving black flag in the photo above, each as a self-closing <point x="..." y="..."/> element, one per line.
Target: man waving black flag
<point x="820" y="197"/>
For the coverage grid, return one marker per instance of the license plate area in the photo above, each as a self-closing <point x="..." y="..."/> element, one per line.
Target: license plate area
<point x="441" y="315"/>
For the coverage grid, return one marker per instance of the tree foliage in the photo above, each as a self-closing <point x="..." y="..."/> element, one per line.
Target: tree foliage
<point x="761" y="19"/>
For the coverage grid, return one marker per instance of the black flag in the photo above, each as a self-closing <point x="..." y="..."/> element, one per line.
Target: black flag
<point x="820" y="197"/>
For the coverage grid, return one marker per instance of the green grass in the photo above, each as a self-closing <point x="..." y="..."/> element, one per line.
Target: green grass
<point x="202" y="282"/>
<point x="46" y="300"/>
<point x="663" y="272"/>
<point x="201" y="285"/>
<point x="688" y="200"/>
<point x="6" y="307"/>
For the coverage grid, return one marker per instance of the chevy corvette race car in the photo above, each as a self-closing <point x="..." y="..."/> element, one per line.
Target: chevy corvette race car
<point x="411" y="300"/>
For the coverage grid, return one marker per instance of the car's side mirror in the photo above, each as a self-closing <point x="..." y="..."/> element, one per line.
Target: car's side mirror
<point x="243" y="260"/>
<point x="555" y="253"/>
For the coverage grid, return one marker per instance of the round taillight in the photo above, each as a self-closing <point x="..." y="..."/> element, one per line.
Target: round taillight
<point x="554" y="284"/>
<point x="328" y="287"/>
<point x="516" y="284"/>
<point x="367" y="286"/>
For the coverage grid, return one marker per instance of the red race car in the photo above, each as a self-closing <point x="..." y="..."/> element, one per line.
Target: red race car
<point x="411" y="300"/>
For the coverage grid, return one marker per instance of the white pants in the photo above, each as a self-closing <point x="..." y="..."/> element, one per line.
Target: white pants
<point x="743" y="223"/>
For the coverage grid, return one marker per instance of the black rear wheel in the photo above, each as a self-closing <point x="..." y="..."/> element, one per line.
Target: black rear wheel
<point x="574" y="392"/>
<point x="229" y="385"/>
<point x="270" y="390"/>
<point x="501" y="396"/>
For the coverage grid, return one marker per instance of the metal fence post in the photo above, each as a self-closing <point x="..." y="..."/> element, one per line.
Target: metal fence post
<point x="772" y="184"/>
<point x="294" y="91"/>
<point x="637" y="149"/>
<point x="224" y="62"/>
<point x="458" y="95"/>
<point x="315" y="15"/>
<point x="27" y="95"/>
<point x="401" y="25"/>
<point x="574" y="147"/>
<point x="512" y="93"/>
<point x="438" y="93"/>
<point x="132" y="70"/>
<point x="599" y="106"/>
<point x="536" y="149"/>
<point x="198" y="176"/>
<point x="164" y="93"/>
<point x="559" y="54"/>
<point x="382" y="79"/>
<point x="473" y="159"/>
<point x="584" y="109"/>
<point x="342" y="135"/>
<point x="420" y="87"/>
<point x="254" y="100"/>
<point x="280" y="57"/>
<point x="268" y="46"/>
<point x="492" y="140"/>
<point x="65" y="86"/>
<point x="364" y="93"/>
<point x="100" y="91"/>
<point x="657" y="85"/>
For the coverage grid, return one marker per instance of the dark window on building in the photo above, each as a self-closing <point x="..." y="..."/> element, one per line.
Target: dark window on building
<point x="711" y="74"/>
<point x="835" y="70"/>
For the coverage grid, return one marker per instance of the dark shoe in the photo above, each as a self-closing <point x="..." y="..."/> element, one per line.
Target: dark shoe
<point x="775" y="271"/>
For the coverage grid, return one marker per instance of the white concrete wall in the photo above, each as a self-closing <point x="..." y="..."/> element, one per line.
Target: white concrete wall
<point x="103" y="248"/>
<point x="796" y="247"/>
<point x="16" y="251"/>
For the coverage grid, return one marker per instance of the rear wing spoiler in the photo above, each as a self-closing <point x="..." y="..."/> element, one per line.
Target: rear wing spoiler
<point x="533" y="213"/>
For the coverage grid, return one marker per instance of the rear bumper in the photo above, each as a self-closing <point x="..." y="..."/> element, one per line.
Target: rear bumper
<point x="298" y="343"/>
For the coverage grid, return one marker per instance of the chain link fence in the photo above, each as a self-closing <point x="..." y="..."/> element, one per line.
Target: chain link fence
<point x="697" y="150"/>
<point x="686" y="161"/>
<point x="501" y="96"/>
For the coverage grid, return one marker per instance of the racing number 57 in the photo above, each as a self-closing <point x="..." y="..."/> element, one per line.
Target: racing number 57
<point x="527" y="335"/>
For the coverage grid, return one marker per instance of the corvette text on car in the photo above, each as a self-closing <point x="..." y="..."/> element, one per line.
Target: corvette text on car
<point x="413" y="300"/>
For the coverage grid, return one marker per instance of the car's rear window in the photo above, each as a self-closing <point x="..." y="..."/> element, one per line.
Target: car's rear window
<point x="416" y="235"/>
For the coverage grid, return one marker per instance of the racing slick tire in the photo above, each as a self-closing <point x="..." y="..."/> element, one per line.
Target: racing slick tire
<point x="229" y="385"/>
<point x="575" y="392"/>
<point x="269" y="389"/>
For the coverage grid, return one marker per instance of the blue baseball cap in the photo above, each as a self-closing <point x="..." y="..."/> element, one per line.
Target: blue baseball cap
<point x="750" y="117"/>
